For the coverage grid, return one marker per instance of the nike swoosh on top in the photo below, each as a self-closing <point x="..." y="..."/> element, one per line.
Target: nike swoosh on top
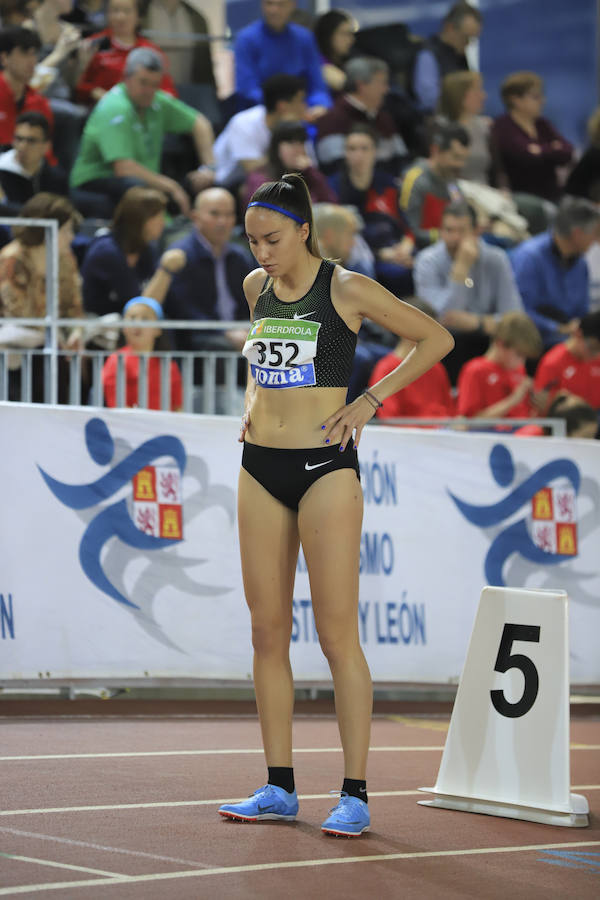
<point x="304" y="315"/>
<point x="308" y="466"/>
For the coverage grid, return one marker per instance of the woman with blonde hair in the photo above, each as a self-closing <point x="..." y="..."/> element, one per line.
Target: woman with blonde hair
<point x="462" y="98"/>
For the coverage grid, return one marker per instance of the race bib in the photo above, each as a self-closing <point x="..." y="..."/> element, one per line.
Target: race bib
<point x="281" y="352"/>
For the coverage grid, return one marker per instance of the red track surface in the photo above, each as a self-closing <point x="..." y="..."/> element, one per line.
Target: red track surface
<point x="178" y="847"/>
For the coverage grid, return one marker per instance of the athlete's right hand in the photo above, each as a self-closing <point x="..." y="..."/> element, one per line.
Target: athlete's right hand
<point x="245" y="426"/>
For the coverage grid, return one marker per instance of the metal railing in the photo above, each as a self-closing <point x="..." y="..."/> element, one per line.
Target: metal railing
<point x="209" y="379"/>
<point x="557" y="427"/>
<point x="202" y="390"/>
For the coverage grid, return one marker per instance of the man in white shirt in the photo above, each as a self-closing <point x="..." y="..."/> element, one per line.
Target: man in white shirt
<point x="243" y="144"/>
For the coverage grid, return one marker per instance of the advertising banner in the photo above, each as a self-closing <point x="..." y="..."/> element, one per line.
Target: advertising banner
<point x="119" y="553"/>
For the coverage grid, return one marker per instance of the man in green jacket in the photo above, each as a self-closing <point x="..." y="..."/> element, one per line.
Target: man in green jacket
<point x="123" y="139"/>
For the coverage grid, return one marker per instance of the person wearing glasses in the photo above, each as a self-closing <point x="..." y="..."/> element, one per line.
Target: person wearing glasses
<point x="24" y="169"/>
<point x="530" y="148"/>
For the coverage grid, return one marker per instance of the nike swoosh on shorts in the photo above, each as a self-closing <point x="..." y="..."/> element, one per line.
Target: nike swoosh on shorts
<point x="308" y="466"/>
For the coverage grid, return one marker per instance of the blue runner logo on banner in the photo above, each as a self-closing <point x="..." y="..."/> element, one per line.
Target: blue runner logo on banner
<point x="115" y="520"/>
<point x="547" y="533"/>
<point x="147" y="511"/>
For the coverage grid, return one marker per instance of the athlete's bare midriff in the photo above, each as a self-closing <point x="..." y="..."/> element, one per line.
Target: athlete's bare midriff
<point x="291" y="418"/>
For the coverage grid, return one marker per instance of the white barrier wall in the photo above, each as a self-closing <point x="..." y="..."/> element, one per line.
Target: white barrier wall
<point x="119" y="555"/>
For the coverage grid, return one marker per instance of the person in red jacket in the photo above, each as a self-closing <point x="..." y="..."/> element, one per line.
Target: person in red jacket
<point x="141" y="340"/>
<point x="496" y="384"/>
<point x="430" y="396"/>
<point x="574" y="365"/>
<point x="106" y="67"/>
<point x="19" y="48"/>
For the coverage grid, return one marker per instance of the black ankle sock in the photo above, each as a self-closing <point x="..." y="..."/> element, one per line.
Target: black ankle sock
<point x="356" y="788"/>
<point x="282" y="777"/>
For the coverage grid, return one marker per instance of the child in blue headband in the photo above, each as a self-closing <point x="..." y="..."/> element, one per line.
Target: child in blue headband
<point x="140" y="341"/>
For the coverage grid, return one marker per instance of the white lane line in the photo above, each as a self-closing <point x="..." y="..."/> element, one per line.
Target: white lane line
<point x="216" y="752"/>
<point x="57" y="865"/>
<point x="176" y="803"/>
<point x="229" y="752"/>
<point x="297" y="864"/>
<point x="92" y="846"/>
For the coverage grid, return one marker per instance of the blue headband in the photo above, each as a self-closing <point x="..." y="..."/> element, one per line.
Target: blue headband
<point x="284" y="212"/>
<point x="150" y="302"/>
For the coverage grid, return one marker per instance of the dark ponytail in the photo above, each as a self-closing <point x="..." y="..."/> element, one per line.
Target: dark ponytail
<point x="291" y="194"/>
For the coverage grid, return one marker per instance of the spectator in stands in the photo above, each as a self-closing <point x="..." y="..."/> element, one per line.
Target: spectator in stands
<point x="496" y="385"/>
<point x="113" y="45"/>
<point x="243" y="144"/>
<point x="88" y="15"/>
<point x="462" y="98"/>
<point x="18" y="56"/>
<point x="430" y="396"/>
<point x="445" y="53"/>
<point x="146" y="341"/>
<point x="430" y="185"/>
<point x="552" y="273"/>
<point x="581" y="419"/>
<point x="272" y="45"/>
<point x="23" y="289"/>
<point x="366" y="86"/>
<point x="118" y="264"/>
<point x="61" y="52"/>
<point x="63" y="55"/>
<point x="25" y="170"/>
<point x="111" y="159"/>
<point x="468" y="282"/>
<point x="288" y="153"/>
<point x="180" y="24"/>
<point x="574" y="365"/>
<point x="373" y="192"/>
<point x="584" y="178"/>
<point x="530" y="147"/>
<point x="334" y="33"/>
<point x="337" y="230"/>
<point x="16" y="12"/>
<point x="219" y="267"/>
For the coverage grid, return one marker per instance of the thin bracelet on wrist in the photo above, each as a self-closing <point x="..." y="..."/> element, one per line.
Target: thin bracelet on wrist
<point x="371" y="399"/>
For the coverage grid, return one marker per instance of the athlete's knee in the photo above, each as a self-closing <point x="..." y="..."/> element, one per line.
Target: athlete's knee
<point x="271" y="636"/>
<point x="337" y="645"/>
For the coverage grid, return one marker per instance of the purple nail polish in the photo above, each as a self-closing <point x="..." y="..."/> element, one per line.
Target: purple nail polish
<point x="341" y="448"/>
<point x="322" y="428"/>
<point x="327" y="440"/>
<point x="356" y="447"/>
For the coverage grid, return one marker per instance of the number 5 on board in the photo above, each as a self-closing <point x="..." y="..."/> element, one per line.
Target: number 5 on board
<point x="507" y="750"/>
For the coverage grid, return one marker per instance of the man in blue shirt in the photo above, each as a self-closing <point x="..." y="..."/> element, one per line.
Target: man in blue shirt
<point x="274" y="45"/>
<point x="552" y="274"/>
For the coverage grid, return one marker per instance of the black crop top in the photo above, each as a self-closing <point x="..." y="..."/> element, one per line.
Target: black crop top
<point x="300" y="344"/>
